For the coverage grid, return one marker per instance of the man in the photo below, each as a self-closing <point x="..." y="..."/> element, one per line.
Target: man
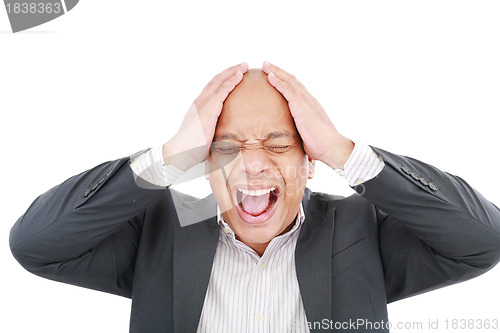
<point x="263" y="253"/>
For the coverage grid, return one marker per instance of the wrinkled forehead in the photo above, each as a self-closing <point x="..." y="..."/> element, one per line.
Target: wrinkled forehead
<point x="276" y="136"/>
<point x="254" y="109"/>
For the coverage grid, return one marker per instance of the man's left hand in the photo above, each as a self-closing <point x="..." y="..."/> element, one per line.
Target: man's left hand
<point x="320" y="139"/>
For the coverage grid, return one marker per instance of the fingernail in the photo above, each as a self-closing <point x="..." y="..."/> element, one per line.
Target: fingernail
<point x="272" y="74"/>
<point x="266" y="63"/>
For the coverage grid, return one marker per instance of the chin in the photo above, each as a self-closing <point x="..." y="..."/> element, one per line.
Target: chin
<point x="262" y="232"/>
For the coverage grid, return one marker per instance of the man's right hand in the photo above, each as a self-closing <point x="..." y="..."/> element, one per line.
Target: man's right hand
<point x="191" y="143"/>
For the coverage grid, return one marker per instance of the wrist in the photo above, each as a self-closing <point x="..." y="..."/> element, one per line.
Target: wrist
<point x="339" y="153"/>
<point x="174" y="156"/>
<point x="181" y="157"/>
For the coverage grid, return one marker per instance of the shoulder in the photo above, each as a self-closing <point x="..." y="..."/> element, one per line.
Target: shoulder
<point x="354" y="218"/>
<point x="353" y="211"/>
<point x="354" y="201"/>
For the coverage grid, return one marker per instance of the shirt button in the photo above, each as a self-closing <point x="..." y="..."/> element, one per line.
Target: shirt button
<point x="258" y="318"/>
<point x="262" y="266"/>
<point x="227" y="230"/>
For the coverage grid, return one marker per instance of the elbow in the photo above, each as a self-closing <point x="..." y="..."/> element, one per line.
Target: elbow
<point x="20" y="253"/>
<point x="492" y="239"/>
<point x="488" y="255"/>
<point x="22" y="250"/>
<point x="479" y="251"/>
<point x="484" y="243"/>
<point x="28" y="259"/>
<point x="493" y="245"/>
<point x="496" y="251"/>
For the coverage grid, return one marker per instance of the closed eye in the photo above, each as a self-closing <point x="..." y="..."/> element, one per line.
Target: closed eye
<point x="227" y="150"/>
<point x="278" y="149"/>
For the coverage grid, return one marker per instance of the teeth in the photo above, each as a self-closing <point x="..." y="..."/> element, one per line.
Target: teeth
<point x="256" y="193"/>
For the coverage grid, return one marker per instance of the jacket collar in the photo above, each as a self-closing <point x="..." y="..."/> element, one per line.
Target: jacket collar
<point x="194" y="252"/>
<point x="313" y="258"/>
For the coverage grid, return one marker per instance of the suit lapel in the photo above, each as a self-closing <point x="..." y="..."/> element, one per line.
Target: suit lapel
<point x="313" y="258"/>
<point x="194" y="251"/>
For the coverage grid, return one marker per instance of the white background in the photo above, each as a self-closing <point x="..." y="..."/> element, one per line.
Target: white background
<point x="420" y="78"/>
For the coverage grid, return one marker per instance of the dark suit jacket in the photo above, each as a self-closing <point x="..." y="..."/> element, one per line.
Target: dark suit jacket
<point x="411" y="229"/>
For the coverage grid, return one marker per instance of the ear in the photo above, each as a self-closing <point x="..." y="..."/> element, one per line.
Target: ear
<point x="312" y="164"/>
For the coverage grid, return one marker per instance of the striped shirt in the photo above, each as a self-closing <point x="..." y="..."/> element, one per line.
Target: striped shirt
<point x="247" y="292"/>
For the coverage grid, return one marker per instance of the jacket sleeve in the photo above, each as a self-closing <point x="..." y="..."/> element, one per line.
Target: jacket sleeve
<point x="86" y="230"/>
<point x="434" y="229"/>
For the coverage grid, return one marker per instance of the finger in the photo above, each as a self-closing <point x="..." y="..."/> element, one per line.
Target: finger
<point x="285" y="76"/>
<point x="223" y="91"/>
<point x="282" y="86"/>
<point x="279" y="72"/>
<point x="228" y="74"/>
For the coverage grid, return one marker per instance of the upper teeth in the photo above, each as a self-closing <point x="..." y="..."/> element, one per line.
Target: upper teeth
<point x="256" y="193"/>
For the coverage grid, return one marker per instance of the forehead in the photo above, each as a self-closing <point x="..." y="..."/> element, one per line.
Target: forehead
<point x="276" y="135"/>
<point x="255" y="109"/>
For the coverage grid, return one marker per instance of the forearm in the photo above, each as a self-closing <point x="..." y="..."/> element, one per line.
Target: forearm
<point x="75" y="216"/>
<point x="441" y="210"/>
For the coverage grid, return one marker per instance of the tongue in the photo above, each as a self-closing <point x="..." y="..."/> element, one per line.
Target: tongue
<point x="255" y="205"/>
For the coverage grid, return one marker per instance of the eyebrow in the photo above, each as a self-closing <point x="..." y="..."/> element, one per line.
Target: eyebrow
<point x="272" y="135"/>
<point x="280" y="134"/>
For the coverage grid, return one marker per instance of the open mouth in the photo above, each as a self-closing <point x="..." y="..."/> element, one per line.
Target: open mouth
<point x="256" y="202"/>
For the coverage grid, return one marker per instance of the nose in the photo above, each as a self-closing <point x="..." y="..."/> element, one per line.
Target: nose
<point x="255" y="161"/>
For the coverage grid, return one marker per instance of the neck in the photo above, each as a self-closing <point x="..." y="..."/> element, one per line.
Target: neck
<point x="260" y="248"/>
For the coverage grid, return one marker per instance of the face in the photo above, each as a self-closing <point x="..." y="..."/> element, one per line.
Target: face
<point x="259" y="167"/>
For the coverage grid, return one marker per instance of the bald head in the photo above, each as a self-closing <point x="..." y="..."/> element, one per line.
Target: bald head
<point x="255" y="74"/>
<point x="254" y="105"/>
<point x="253" y="88"/>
